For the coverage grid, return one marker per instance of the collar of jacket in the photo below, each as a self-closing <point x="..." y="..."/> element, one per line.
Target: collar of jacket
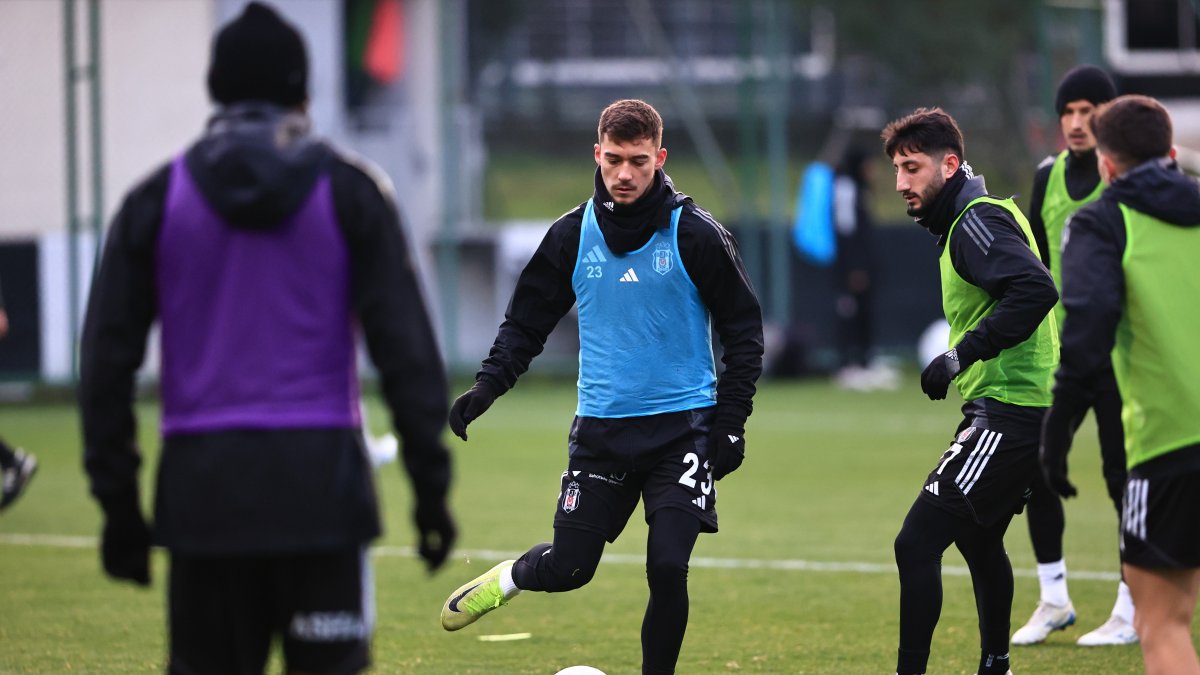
<point x="246" y="116"/>
<point x="627" y="227"/>
<point x="963" y="187"/>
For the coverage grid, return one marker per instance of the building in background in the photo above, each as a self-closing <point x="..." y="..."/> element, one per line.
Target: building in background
<point x="443" y="91"/>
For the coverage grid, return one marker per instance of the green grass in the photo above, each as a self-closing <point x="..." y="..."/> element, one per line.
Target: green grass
<point x="521" y="186"/>
<point x="828" y="478"/>
<point x="540" y="187"/>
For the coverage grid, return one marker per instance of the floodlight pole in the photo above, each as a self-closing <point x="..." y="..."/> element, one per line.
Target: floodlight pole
<point x="72" y="200"/>
<point x="451" y="28"/>
<point x="97" y="135"/>
<point x="779" y="58"/>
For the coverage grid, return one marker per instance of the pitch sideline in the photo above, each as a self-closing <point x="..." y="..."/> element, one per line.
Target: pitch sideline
<point x="853" y="567"/>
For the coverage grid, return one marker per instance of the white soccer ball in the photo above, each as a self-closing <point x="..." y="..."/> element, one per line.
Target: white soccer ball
<point x="580" y="670"/>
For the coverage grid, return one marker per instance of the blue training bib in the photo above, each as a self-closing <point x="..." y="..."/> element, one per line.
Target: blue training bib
<point x="645" y="337"/>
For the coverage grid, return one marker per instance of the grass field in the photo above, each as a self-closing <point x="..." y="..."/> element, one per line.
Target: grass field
<point x="799" y="580"/>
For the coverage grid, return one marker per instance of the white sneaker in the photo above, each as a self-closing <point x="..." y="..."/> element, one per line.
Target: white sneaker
<point x="16" y="477"/>
<point x="853" y="378"/>
<point x="1115" y="631"/>
<point x="1046" y="619"/>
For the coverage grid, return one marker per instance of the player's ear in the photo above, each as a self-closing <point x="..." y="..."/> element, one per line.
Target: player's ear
<point x="1107" y="167"/>
<point x="950" y="164"/>
<point x="661" y="158"/>
<point x="597" y="154"/>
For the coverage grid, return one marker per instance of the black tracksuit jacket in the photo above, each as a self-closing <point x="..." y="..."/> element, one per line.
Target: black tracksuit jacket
<point x="544" y="293"/>
<point x="272" y="483"/>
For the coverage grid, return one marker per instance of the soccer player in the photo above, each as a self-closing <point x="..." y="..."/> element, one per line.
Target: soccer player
<point x="258" y="250"/>
<point x="1062" y="185"/>
<point x="997" y="296"/>
<point x="854" y="275"/>
<point x="651" y="272"/>
<point x="16" y="466"/>
<point x="1129" y="288"/>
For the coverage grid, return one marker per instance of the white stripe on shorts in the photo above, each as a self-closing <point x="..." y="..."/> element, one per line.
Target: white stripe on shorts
<point x="1133" y="520"/>
<point x="978" y="460"/>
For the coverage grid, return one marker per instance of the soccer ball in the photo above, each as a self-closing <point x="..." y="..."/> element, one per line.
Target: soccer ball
<point x="579" y="670"/>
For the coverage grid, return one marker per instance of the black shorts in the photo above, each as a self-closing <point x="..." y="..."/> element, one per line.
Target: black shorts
<point x="662" y="459"/>
<point x="986" y="474"/>
<point x="1160" y="520"/>
<point x="224" y="612"/>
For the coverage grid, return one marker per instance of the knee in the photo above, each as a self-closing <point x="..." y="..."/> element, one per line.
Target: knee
<point x="666" y="570"/>
<point x="665" y="574"/>
<point x="907" y="548"/>
<point x="553" y="571"/>
<point x="572" y="574"/>
<point x="913" y="550"/>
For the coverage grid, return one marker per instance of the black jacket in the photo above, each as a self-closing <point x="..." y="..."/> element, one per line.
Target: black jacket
<point x="544" y="294"/>
<point x="1093" y="278"/>
<point x="246" y="491"/>
<point x="998" y="260"/>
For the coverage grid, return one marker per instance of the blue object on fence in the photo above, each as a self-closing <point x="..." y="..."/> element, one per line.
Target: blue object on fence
<point x="813" y="230"/>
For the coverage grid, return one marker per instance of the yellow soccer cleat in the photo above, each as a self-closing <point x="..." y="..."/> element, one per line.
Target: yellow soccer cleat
<point x="475" y="598"/>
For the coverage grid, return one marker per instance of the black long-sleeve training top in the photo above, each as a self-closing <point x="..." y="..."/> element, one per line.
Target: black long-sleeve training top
<point x="267" y="478"/>
<point x="544" y="293"/>
<point x="1007" y="269"/>
<point x="1093" y="278"/>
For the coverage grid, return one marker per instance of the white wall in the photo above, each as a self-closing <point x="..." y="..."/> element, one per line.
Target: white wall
<point x="31" y="118"/>
<point x="153" y="65"/>
<point x="153" y="56"/>
<point x="154" y="60"/>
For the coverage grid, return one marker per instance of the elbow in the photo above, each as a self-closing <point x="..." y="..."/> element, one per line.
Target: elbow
<point x="1048" y="297"/>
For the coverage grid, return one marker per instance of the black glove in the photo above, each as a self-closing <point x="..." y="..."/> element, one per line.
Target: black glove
<point x="936" y="377"/>
<point x="125" y="541"/>
<point x="468" y="407"/>
<point x="436" y="528"/>
<point x="729" y="449"/>
<point x="1058" y="427"/>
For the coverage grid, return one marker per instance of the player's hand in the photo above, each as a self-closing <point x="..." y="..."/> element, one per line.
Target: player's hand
<point x="438" y="533"/>
<point x="1057" y="430"/>
<point x="468" y="407"/>
<point x="729" y="446"/>
<point x="125" y="540"/>
<point x="936" y="377"/>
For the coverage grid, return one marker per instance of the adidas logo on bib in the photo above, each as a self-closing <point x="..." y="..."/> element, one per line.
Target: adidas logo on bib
<point x="629" y="276"/>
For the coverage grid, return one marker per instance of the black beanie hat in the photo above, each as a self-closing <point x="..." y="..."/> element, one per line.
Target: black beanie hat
<point x="1087" y="83"/>
<point x="258" y="56"/>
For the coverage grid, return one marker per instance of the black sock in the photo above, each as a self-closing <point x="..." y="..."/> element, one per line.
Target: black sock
<point x="664" y="626"/>
<point x="910" y="662"/>
<point x="990" y="664"/>
<point x="672" y="536"/>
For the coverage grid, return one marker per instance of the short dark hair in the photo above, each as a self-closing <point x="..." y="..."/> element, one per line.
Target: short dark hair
<point x="629" y="120"/>
<point x="927" y="130"/>
<point x="1132" y="129"/>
